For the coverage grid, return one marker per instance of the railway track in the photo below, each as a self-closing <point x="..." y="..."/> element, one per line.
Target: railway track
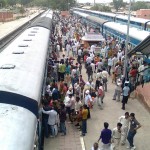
<point x="12" y="35"/>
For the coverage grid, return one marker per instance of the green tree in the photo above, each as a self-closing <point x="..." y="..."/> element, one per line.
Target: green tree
<point x="139" y="5"/>
<point x="3" y="3"/>
<point x="11" y="2"/>
<point x="101" y="8"/>
<point x="22" y="10"/>
<point x="118" y="4"/>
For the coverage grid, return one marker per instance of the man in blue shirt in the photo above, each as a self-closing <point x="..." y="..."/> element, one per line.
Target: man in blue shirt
<point x="126" y="92"/>
<point x="106" y="137"/>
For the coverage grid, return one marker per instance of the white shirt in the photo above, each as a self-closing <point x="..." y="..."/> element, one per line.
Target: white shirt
<point x="99" y="65"/>
<point x="115" y="60"/>
<point x="87" y="99"/>
<point x="110" y="62"/>
<point x="119" y="55"/>
<point x="125" y="122"/>
<point x="78" y="105"/>
<point x="67" y="101"/>
<point x="79" y="52"/>
<point x="53" y="117"/>
<point x="58" y="47"/>
<point x="89" y="60"/>
<point x="105" y="74"/>
<point x="74" y="48"/>
<point x="68" y="47"/>
<point x="93" y="66"/>
<point x="72" y="102"/>
<point x="116" y="134"/>
<point x="92" y="48"/>
<point x="141" y="68"/>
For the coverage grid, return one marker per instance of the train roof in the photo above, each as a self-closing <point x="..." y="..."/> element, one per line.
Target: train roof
<point x="96" y="19"/>
<point x="18" y="128"/>
<point x="26" y="57"/>
<point x="133" y="32"/>
<point x="141" y="20"/>
<point x="43" y="21"/>
<point x="81" y="14"/>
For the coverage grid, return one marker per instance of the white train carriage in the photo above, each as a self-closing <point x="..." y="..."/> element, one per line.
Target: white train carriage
<point x="22" y="67"/>
<point x="120" y="32"/>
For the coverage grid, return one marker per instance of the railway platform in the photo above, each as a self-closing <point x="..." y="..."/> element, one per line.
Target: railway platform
<point x="110" y="113"/>
<point x="7" y="27"/>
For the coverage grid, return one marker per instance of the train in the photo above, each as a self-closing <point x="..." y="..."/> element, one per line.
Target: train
<point x="22" y="72"/>
<point x="117" y="30"/>
<point x="139" y="23"/>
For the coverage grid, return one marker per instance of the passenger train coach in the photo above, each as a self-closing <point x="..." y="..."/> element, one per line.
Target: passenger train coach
<point x="143" y="24"/>
<point x="22" y="69"/>
<point x="114" y="29"/>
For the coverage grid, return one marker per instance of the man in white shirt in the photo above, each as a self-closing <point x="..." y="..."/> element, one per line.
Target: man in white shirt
<point x="88" y="60"/>
<point x="92" y="49"/>
<point x="119" y="55"/>
<point x="68" y="47"/>
<point x="79" y="55"/>
<point x="93" y="66"/>
<point x="87" y="101"/>
<point x="124" y="120"/>
<point x="141" y="72"/>
<point x="74" y="50"/>
<point x="52" y="120"/>
<point x="105" y="76"/>
<point x="110" y="64"/>
<point x="118" y="90"/>
<point x="115" y="60"/>
<point x="116" y="136"/>
<point x="100" y="65"/>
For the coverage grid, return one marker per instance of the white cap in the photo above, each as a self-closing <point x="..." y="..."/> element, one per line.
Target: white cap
<point x="87" y="92"/>
<point x="127" y="82"/>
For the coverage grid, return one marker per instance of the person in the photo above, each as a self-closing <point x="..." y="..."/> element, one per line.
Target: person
<point x="84" y="120"/>
<point x="110" y="63"/>
<point x="118" y="90"/>
<point x="68" y="103"/>
<point x="116" y="136"/>
<point x="105" y="137"/>
<point x="87" y="101"/>
<point x="45" y="117"/>
<point x="134" y="126"/>
<point x="95" y="146"/>
<point x="105" y="76"/>
<point x="62" y="117"/>
<point x="124" y="120"/>
<point x="100" y="95"/>
<point x="52" y="120"/>
<point x="126" y="92"/>
<point x="89" y="72"/>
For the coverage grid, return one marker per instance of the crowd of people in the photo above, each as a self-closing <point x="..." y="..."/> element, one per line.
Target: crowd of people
<point x="69" y="96"/>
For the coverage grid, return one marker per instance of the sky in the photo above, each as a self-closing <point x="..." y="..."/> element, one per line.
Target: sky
<point x="102" y="1"/>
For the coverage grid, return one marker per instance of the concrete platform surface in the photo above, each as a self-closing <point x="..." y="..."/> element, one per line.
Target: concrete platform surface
<point x="110" y="113"/>
<point x="8" y="27"/>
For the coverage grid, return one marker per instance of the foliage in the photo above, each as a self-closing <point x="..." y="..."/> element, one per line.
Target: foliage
<point x="118" y="4"/>
<point x="3" y="3"/>
<point x="22" y="10"/>
<point x="139" y="5"/>
<point x="101" y="8"/>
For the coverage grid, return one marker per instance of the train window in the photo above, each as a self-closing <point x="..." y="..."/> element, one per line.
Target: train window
<point x="31" y="34"/>
<point x="7" y="66"/>
<point x="35" y="28"/>
<point x="18" y="52"/>
<point x="23" y="45"/>
<point x="27" y="40"/>
<point x="33" y="31"/>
